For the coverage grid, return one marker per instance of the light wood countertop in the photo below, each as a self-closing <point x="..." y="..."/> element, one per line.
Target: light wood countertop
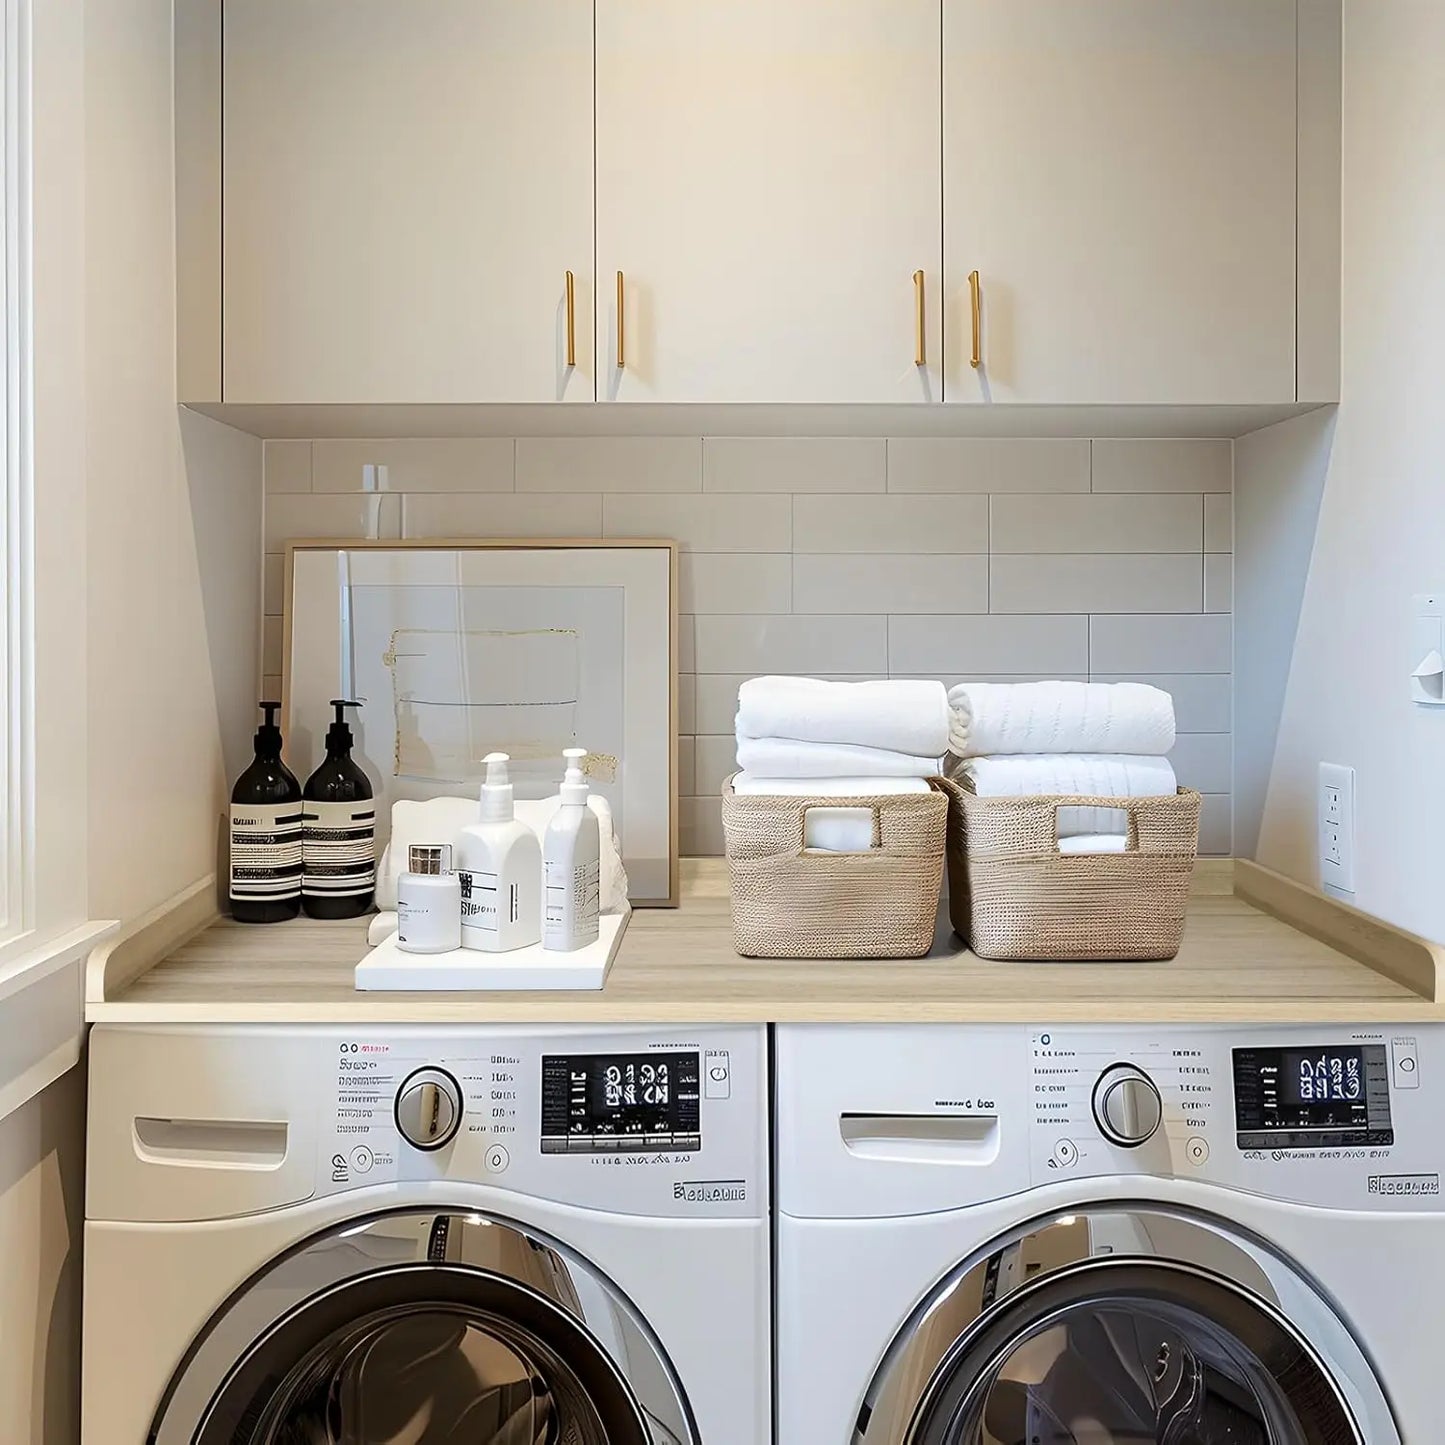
<point x="1239" y="963"/>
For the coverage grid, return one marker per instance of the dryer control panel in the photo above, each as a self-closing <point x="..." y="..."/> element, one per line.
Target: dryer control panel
<point x="1332" y="1116"/>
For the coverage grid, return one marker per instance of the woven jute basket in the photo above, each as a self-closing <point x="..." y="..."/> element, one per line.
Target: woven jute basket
<point x="790" y="901"/>
<point x="1012" y="894"/>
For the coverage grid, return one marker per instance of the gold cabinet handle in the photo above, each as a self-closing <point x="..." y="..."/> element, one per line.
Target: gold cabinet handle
<point x="920" y="323"/>
<point x="571" y="321"/>
<point x="621" y="324"/>
<point x="976" y="306"/>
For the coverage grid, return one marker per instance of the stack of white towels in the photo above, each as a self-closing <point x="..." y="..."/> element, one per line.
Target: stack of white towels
<point x="799" y="736"/>
<point x="1105" y="740"/>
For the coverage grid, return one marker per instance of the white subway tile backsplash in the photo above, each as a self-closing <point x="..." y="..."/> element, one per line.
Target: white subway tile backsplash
<point x="908" y="525"/>
<point x="1160" y="644"/>
<point x="687" y="703"/>
<point x="296" y="517"/>
<point x="973" y="646"/>
<point x="286" y="465"/>
<point x="794" y="464"/>
<point x="1218" y="582"/>
<point x="1204" y="761"/>
<point x="686" y="764"/>
<point x="1219" y="524"/>
<point x="609" y="464"/>
<point x="1096" y="583"/>
<point x="717" y="760"/>
<point x="987" y="464"/>
<point x="700" y="827"/>
<point x="501" y="514"/>
<point x="686" y="642"/>
<point x="1216" y="825"/>
<point x="413" y="464"/>
<point x="1032" y="523"/>
<point x="703" y="523"/>
<point x="736" y="582"/>
<point x="1146" y="465"/>
<point x="859" y="583"/>
<point x="798" y="643"/>
<point x="1203" y="702"/>
<point x="273" y="584"/>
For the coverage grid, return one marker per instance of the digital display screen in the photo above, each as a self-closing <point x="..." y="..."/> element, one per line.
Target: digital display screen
<point x="1322" y="1076"/>
<point x="1329" y="1096"/>
<point x="593" y="1103"/>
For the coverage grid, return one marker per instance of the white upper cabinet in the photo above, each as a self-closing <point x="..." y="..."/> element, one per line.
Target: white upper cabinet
<point x="1121" y="174"/>
<point x="405" y="188"/>
<point x="768" y="184"/>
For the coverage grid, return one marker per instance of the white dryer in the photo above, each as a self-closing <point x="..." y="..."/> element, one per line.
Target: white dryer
<point x="1008" y="1235"/>
<point x="513" y="1236"/>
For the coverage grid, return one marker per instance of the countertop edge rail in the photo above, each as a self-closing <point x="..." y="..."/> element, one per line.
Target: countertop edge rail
<point x="148" y="940"/>
<point x="1394" y="953"/>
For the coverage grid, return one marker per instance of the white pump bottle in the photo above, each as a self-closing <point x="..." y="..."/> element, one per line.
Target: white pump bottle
<point x="572" y="854"/>
<point x="499" y="864"/>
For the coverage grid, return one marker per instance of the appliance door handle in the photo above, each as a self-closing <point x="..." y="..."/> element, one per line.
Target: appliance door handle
<point x="922" y="1138"/>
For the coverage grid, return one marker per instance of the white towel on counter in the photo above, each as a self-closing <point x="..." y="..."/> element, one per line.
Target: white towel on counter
<point x="791" y="758"/>
<point x="1088" y="775"/>
<point x="749" y="784"/>
<point x="899" y="717"/>
<point x="1087" y="843"/>
<point x="989" y="718"/>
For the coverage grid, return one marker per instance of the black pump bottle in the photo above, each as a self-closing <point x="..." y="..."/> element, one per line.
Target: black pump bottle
<point x="266" y="825"/>
<point x="339" y="876"/>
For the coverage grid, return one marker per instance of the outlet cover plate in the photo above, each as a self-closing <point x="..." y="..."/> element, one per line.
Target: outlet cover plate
<point x="1337" y="827"/>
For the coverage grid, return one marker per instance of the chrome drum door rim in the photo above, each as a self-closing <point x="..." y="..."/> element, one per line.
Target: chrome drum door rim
<point x="440" y="1244"/>
<point x="975" y="1295"/>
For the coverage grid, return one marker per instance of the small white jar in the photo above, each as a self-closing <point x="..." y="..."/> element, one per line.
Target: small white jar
<point x="429" y="901"/>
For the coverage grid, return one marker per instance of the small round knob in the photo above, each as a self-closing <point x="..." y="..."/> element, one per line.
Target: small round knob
<point x="428" y="1108"/>
<point x="1127" y="1106"/>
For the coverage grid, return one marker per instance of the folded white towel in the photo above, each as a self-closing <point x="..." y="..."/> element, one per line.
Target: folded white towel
<point x="749" y="784"/>
<point x="989" y="718"/>
<point x="1088" y="775"/>
<point x="789" y="758"/>
<point x="900" y="717"/>
<point x="1094" y="843"/>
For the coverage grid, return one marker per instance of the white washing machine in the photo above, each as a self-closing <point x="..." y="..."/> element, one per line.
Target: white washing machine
<point x="1011" y="1235"/>
<point x="513" y="1236"/>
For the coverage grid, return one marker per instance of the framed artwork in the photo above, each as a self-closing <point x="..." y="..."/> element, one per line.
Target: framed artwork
<point x="457" y="649"/>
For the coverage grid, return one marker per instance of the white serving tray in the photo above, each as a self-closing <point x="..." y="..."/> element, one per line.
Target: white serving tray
<point x="464" y="970"/>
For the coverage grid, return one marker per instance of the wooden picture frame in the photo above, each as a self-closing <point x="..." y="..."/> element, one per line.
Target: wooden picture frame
<point x="656" y="881"/>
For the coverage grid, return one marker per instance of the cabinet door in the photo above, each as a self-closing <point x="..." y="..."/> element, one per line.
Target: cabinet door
<point x="768" y="184"/>
<point x="406" y="187"/>
<point x="1121" y="174"/>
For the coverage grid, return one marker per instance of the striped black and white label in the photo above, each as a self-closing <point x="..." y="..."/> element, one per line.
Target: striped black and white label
<point x="339" y="850"/>
<point x="266" y="851"/>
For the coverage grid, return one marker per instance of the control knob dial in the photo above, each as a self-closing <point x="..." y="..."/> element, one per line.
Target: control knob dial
<point x="429" y="1108"/>
<point x="1127" y="1106"/>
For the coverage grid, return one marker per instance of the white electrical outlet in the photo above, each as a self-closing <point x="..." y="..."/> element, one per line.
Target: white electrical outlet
<point x="1337" y="827"/>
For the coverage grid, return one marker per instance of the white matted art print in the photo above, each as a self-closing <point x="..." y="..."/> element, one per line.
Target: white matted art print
<point x="459" y="650"/>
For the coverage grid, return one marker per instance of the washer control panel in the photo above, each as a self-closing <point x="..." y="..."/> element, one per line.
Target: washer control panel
<point x="631" y="1121"/>
<point x="1333" y="1116"/>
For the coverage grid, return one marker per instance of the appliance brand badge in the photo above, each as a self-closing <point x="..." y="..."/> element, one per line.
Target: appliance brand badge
<point x="1403" y="1184"/>
<point x="711" y="1191"/>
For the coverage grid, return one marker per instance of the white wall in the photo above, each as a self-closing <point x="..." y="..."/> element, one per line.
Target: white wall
<point x="1381" y="528"/>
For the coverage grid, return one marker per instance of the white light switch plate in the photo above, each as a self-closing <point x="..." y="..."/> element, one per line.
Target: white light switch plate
<point x="1337" y="827"/>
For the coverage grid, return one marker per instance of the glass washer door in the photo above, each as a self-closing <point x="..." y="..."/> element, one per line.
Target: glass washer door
<point x="1129" y="1324"/>
<point x="423" y="1328"/>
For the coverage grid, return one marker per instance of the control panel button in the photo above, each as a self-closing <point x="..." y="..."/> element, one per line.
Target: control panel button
<point x="497" y="1159"/>
<point x="1197" y="1150"/>
<point x="1404" y="1054"/>
<point x="1066" y="1153"/>
<point x="1127" y="1106"/>
<point x="362" y="1159"/>
<point x="429" y="1109"/>
<point x="717" y="1080"/>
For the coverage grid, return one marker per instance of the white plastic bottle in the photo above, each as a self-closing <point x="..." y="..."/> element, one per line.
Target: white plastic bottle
<point x="499" y="865"/>
<point x="571" y="861"/>
<point x="429" y="901"/>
